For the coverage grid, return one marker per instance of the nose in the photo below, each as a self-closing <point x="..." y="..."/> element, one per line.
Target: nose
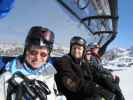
<point x="76" y="49"/>
<point x="37" y="57"/>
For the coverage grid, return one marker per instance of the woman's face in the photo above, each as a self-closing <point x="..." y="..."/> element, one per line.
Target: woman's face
<point x="88" y="55"/>
<point x="36" y="56"/>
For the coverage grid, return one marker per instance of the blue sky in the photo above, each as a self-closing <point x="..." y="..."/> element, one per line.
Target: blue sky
<point x="48" y="13"/>
<point x="125" y="26"/>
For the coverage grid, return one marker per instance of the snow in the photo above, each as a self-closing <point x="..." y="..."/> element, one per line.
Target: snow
<point x="126" y="82"/>
<point x="123" y="66"/>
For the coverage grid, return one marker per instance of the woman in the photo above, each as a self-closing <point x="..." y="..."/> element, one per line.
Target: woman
<point x="34" y="67"/>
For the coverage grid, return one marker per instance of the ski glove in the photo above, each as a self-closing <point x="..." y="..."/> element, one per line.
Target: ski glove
<point x="27" y="89"/>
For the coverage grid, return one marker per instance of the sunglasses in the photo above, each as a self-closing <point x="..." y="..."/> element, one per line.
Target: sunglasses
<point x="89" y="53"/>
<point x="34" y="53"/>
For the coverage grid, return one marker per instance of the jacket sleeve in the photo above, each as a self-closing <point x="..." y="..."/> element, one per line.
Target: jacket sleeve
<point x="93" y="89"/>
<point x="3" y="84"/>
<point x="3" y="61"/>
<point x="68" y="77"/>
<point x="2" y="65"/>
<point x="103" y="77"/>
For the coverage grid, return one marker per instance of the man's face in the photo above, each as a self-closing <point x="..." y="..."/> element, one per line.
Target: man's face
<point x="77" y="51"/>
<point x="36" y="56"/>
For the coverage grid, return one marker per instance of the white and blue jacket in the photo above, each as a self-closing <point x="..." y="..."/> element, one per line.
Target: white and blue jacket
<point x="45" y="73"/>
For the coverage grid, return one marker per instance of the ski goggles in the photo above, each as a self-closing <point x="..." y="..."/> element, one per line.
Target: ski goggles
<point x="35" y="53"/>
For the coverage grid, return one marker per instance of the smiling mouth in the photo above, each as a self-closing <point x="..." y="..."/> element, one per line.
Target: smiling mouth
<point x="35" y="62"/>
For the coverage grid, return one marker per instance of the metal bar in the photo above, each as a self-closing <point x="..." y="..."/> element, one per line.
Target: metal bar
<point x="114" y="12"/>
<point x="100" y="17"/>
<point x="103" y="32"/>
<point x="75" y="15"/>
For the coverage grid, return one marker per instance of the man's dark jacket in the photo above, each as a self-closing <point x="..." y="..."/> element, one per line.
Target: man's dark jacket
<point x="75" y="80"/>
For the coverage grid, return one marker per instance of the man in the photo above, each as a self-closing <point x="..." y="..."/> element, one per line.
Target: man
<point x="102" y="76"/>
<point x="33" y="68"/>
<point x="74" y="78"/>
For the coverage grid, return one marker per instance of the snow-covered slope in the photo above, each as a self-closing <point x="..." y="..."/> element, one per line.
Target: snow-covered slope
<point x="126" y="82"/>
<point x="118" y="58"/>
<point x="121" y="60"/>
